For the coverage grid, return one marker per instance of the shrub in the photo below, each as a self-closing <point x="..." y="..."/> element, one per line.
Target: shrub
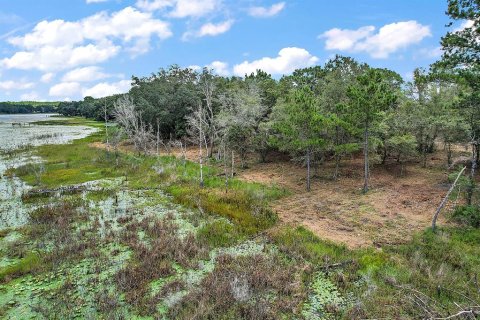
<point x="219" y="233"/>
<point x="467" y="215"/>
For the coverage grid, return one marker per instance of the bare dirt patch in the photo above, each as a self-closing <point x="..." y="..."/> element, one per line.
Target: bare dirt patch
<point x="396" y="207"/>
<point x="391" y="212"/>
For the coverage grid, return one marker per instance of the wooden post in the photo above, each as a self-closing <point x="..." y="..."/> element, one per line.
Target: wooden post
<point x="444" y="201"/>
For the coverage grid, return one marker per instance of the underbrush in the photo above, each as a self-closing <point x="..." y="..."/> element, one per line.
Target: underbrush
<point x="298" y="276"/>
<point x="434" y="275"/>
<point x="467" y="215"/>
<point x="253" y="287"/>
<point x="154" y="257"/>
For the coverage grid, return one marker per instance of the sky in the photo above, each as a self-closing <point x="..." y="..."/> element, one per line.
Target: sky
<point x="59" y="50"/>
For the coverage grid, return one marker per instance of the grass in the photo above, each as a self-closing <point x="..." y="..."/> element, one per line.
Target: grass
<point x="218" y="233"/>
<point x="245" y="204"/>
<point x="26" y="265"/>
<point x="432" y="275"/>
<point x="440" y="269"/>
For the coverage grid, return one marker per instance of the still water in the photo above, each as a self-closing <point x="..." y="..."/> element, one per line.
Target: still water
<point x="19" y="132"/>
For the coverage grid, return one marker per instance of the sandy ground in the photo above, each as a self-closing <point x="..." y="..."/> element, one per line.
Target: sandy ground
<point x="391" y="212"/>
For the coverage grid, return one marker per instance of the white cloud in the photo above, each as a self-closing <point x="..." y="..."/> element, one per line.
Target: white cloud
<point x="262" y="12"/>
<point x="50" y="58"/>
<point x="209" y="29"/>
<point x="344" y="39"/>
<point x="195" y="67"/>
<point x="65" y="89"/>
<point x="465" y="24"/>
<point x="47" y="77"/>
<point x="85" y="74"/>
<point x="16" y="85"/>
<point x="181" y="8"/>
<point x="30" y="96"/>
<point x="220" y="68"/>
<point x="59" y="44"/>
<point x="106" y="89"/>
<point x="152" y="5"/>
<point x="430" y="53"/>
<point x="389" y="38"/>
<point x="287" y="61"/>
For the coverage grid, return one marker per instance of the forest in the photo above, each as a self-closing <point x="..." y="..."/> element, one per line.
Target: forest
<point x="27" y="107"/>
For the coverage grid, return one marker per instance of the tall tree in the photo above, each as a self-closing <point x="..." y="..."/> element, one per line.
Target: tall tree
<point x="340" y="74"/>
<point x="239" y="117"/>
<point x="461" y="60"/>
<point x="372" y="93"/>
<point x="300" y="125"/>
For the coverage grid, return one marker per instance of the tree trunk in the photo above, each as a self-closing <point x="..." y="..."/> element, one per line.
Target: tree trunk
<point x="337" y="167"/>
<point x="424" y="154"/>
<point x="158" y="138"/>
<point x="212" y="144"/>
<point x="385" y="155"/>
<point x="471" y="185"/>
<point x="106" y="124"/>
<point x="200" y="148"/>
<point x="233" y="164"/>
<point x="308" y="170"/>
<point x="225" y="168"/>
<point x="444" y="201"/>
<point x="449" y="154"/>
<point x="365" y="159"/>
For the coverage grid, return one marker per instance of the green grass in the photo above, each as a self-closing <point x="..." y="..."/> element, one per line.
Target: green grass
<point x="441" y="268"/>
<point x="73" y="121"/>
<point x="26" y="265"/>
<point x="218" y="233"/>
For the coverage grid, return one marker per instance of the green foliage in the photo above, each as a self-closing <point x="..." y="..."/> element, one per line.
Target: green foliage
<point x="26" y="265"/>
<point x="467" y="215"/>
<point x="403" y="146"/>
<point x="324" y="296"/>
<point x="28" y="107"/>
<point x="218" y="233"/>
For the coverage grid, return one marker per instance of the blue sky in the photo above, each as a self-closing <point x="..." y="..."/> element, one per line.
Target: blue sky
<point x="62" y="50"/>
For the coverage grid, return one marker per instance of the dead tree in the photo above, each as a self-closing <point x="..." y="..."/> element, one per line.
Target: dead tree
<point x="196" y="128"/>
<point x="444" y="201"/>
<point x="106" y="122"/>
<point x="208" y="88"/>
<point x="133" y="125"/>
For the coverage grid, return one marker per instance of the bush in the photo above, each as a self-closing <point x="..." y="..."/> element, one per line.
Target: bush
<point x="467" y="215"/>
<point x="219" y="233"/>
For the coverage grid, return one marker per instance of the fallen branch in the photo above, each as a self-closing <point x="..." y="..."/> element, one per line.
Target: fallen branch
<point x="444" y="201"/>
<point x="461" y="313"/>
<point x="337" y="265"/>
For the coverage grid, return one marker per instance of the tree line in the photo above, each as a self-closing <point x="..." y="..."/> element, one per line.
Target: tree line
<point x="316" y="114"/>
<point x="27" y="107"/>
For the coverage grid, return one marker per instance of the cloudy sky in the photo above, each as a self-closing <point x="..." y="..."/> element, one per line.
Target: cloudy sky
<point x="68" y="49"/>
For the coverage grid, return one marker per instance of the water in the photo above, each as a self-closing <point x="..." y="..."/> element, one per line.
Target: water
<point x="15" y="137"/>
<point x="13" y="212"/>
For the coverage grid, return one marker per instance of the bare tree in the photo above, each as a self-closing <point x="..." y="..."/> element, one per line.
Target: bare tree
<point x="106" y="122"/>
<point x="207" y="84"/>
<point x="197" y="126"/>
<point x="131" y="122"/>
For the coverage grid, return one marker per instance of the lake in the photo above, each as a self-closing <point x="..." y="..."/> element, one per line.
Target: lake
<point x="13" y="212"/>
